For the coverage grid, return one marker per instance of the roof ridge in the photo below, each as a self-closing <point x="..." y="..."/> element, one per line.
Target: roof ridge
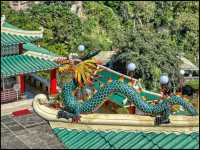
<point x="22" y="32"/>
<point x="128" y="131"/>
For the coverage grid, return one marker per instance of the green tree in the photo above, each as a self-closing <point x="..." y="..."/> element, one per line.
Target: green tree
<point x="148" y="33"/>
<point x="102" y="26"/>
<point x="153" y="53"/>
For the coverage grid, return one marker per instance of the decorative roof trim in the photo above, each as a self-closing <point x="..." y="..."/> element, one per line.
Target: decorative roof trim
<point x="39" y="55"/>
<point x="44" y="56"/>
<point x="23" y="32"/>
<point x="119" y="128"/>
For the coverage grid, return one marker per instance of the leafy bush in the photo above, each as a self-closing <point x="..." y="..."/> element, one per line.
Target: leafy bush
<point x="193" y="83"/>
<point x="148" y="33"/>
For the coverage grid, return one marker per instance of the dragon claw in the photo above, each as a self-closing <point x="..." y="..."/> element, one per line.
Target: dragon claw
<point x="67" y="115"/>
<point x="161" y="120"/>
<point x="76" y="119"/>
<point x="62" y="114"/>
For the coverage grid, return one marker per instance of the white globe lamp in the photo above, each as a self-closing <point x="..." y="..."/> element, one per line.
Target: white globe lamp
<point x="182" y="72"/>
<point x="164" y="79"/>
<point x="131" y="67"/>
<point x="81" y="48"/>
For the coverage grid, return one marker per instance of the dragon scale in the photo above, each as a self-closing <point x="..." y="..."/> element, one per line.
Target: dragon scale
<point x="73" y="108"/>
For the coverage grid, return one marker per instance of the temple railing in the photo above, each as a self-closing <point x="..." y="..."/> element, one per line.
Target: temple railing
<point x="8" y="95"/>
<point x="9" y="50"/>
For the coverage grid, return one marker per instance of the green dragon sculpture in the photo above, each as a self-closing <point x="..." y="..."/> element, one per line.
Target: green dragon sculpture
<point x="73" y="108"/>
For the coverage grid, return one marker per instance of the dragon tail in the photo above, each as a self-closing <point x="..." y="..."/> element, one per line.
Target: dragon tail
<point x="178" y="100"/>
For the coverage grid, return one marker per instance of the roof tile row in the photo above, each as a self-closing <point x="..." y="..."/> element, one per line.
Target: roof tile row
<point x="76" y="139"/>
<point x="22" y="64"/>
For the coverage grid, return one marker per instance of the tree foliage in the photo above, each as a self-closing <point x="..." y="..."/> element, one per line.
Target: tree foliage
<point x="149" y="33"/>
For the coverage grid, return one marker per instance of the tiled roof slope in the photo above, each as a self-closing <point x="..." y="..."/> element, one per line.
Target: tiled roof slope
<point x="21" y="64"/>
<point x="76" y="139"/>
<point x="34" y="48"/>
<point x="12" y="39"/>
<point x="12" y="35"/>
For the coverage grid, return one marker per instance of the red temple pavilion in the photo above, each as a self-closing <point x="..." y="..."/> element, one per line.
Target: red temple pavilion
<point x="20" y="57"/>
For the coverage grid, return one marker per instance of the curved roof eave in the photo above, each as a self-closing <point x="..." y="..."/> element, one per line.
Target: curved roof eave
<point x="22" y="32"/>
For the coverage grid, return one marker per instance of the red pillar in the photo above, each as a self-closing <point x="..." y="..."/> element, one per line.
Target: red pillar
<point x="20" y="48"/>
<point x="22" y="84"/>
<point x="53" y="82"/>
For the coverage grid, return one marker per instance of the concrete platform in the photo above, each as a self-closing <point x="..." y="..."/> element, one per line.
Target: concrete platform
<point x="8" y="108"/>
<point x="27" y="132"/>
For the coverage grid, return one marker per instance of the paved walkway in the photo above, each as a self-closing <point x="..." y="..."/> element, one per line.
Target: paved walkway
<point x="27" y="132"/>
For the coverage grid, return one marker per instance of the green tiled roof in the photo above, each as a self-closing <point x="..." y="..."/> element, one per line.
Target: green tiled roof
<point x="34" y="48"/>
<point x="12" y="39"/>
<point x="76" y="139"/>
<point x="12" y="35"/>
<point x="22" y="64"/>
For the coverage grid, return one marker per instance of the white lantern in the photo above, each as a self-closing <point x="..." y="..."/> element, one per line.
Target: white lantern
<point x="182" y="72"/>
<point x="81" y="48"/>
<point x="131" y="67"/>
<point x="164" y="79"/>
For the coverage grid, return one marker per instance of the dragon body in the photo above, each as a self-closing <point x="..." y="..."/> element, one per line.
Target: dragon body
<point x="73" y="108"/>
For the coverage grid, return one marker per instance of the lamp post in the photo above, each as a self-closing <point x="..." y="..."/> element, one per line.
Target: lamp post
<point x="182" y="72"/>
<point x="81" y="49"/>
<point x="164" y="80"/>
<point x="130" y="68"/>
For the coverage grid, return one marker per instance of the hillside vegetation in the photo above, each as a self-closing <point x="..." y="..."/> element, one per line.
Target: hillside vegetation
<point x="149" y="33"/>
